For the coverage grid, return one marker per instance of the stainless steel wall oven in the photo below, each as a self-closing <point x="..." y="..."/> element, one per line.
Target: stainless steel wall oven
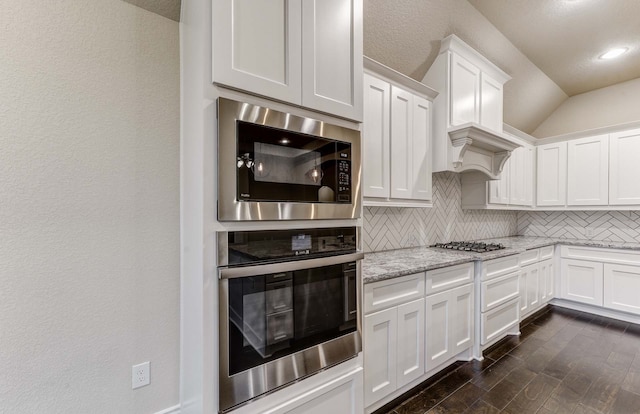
<point x="289" y="307"/>
<point x="277" y="166"/>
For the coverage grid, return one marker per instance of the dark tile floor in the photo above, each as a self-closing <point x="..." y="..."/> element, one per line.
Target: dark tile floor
<point x="564" y="362"/>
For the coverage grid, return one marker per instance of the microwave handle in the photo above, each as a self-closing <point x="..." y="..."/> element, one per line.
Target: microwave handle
<point x="234" y="272"/>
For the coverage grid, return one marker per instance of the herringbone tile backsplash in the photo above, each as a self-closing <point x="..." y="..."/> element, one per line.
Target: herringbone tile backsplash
<point x="620" y="226"/>
<point x="387" y="228"/>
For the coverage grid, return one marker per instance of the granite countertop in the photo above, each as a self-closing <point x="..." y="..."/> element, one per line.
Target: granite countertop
<point x="394" y="263"/>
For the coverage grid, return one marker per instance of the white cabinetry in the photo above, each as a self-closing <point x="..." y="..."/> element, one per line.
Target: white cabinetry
<point x="393" y="335"/>
<point x="621" y="287"/>
<point x="624" y="168"/>
<point x="513" y="190"/>
<point x="449" y="315"/>
<point x="449" y="319"/>
<point x="588" y="171"/>
<point x="581" y="281"/>
<point x="407" y="336"/>
<point x="603" y="277"/>
<point x="396" y="139"/>
<point x="536" y="279"/>
<point x="552" y="174"/>
<point x="499" y="309"/>
<point x="305" y="52"/>
<point x="468" y="109"/>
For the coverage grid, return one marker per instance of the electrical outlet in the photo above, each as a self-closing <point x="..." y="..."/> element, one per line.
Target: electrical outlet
<point x="140" y="375"/>
<point x="588" y="231"/>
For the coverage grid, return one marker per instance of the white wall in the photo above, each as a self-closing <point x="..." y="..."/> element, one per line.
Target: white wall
<point x="616" y="104"/>
<point x="89" y="207"/>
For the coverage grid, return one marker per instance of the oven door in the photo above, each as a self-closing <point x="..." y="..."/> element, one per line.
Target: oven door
<point x="282" y="322"/>
<point x="278" y="166"/>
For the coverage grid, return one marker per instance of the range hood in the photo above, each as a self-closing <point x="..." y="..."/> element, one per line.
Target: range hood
<point x="479" y="149"/>
<point x="467" y="113"/>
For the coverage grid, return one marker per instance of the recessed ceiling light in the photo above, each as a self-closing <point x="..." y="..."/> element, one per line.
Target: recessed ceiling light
<point x="614" y="53"/>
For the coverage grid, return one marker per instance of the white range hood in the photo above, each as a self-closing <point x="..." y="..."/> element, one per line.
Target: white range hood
<point x="476" y="148"/>
<point x="467" y="114"/>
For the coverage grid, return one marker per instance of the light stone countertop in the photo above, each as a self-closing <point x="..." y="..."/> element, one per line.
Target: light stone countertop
<point x="395" y="263"/>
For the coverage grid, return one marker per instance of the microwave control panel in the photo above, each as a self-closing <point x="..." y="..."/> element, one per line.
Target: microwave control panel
<point x="344" y="177"/>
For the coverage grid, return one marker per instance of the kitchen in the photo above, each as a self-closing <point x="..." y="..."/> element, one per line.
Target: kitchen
<point x="384" y="228"/>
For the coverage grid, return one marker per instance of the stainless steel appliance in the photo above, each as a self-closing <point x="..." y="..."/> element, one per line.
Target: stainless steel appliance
<point x="470" y="246"/>
<point x="277" y="166"/>
<point x="289" y="307"/>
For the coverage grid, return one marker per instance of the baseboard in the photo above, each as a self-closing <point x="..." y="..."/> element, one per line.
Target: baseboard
<point x="596" y="310"/>
<point x="171" y="410"/>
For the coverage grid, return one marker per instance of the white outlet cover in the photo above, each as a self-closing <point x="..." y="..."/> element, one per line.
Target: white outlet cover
<point x="140" y="375"/>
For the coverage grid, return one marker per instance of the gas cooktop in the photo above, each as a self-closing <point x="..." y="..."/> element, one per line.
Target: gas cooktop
<point x="470" y="246"/>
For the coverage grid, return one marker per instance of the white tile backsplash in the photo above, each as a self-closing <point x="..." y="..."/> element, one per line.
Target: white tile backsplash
<point x="387" y="228"/>
<point x="619" y="226"/>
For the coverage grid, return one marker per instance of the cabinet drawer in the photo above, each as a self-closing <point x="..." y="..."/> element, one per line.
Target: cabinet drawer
<point x="629" y="257"/>
<point x="392" y="292"/>
<point x="499" y="290"/>
<point x="497" y="322"/>
<point x="546" y="252"/>
<point x="528" y="257"/>
<point x="500" y="267"/>
<point x="449" y="277"/>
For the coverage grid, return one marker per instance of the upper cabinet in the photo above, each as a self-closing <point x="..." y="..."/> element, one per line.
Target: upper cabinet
<point x="467" y="134"/>
<point x="624" y="168"/>
<point x="514" y="189"/>
<point x="396" y="138"/>
<point x="552" y="174"/>
<point x="304" y="52"/>
<point x="588" y="171"/>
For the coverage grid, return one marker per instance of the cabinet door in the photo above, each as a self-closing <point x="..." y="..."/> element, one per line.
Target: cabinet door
<point x="257" y="47"/>
<point x="438" y="320"/>
<point x="524" y="300"/>
<point x="410" y="346"/>
<point x="528" y="173"/>
<point x="533" y="287"/>
<point x="588" y="171"/>
<point x="547" y="280"/>
<point x="421" y="149"/>
<point x="401" y="131"/>
<point x="499" y="189"/>
<point x="375" y="138"/>
<point x="463" y="319"/>
<point x="581" y="281"/>
<point x="332" y="56"/>
<point x="552" y="174"/>
<point x="380" y="354"/>
<point x="465" y="91"/>
<point x="621" y="287"/>
<point x="624" y="168"/>
<point x="516" y="191"/>
<point x="490" y="103"/>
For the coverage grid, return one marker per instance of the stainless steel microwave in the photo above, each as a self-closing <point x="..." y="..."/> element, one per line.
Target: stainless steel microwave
<point x="278" y="166"/>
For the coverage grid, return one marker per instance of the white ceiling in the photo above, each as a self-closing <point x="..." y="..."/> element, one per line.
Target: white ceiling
<point x="565" y="37"/>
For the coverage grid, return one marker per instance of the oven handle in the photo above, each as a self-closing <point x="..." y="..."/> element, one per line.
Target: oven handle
<point x="234" y="272"/>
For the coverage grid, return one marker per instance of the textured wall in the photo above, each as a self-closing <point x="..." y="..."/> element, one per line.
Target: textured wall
<point x="89" y="207"/>
<point x="405" y="35"/>
<point x="617" y="104"/>
<point x="387" y="228"/>
<point x="619" y="226"/>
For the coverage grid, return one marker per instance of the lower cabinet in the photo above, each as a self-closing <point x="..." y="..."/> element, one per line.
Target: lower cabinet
<point x="449" y="321"/>
<point x="530" y="289"/>
<point x="537" y="279"/>
<point x="603" y="277"/>
<point x="393" y="334"/>
<point x="393" y="349"/>
<point x="547" y="280"/>
<point x="621" y="287"/>
<point x="582" y="281"/>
